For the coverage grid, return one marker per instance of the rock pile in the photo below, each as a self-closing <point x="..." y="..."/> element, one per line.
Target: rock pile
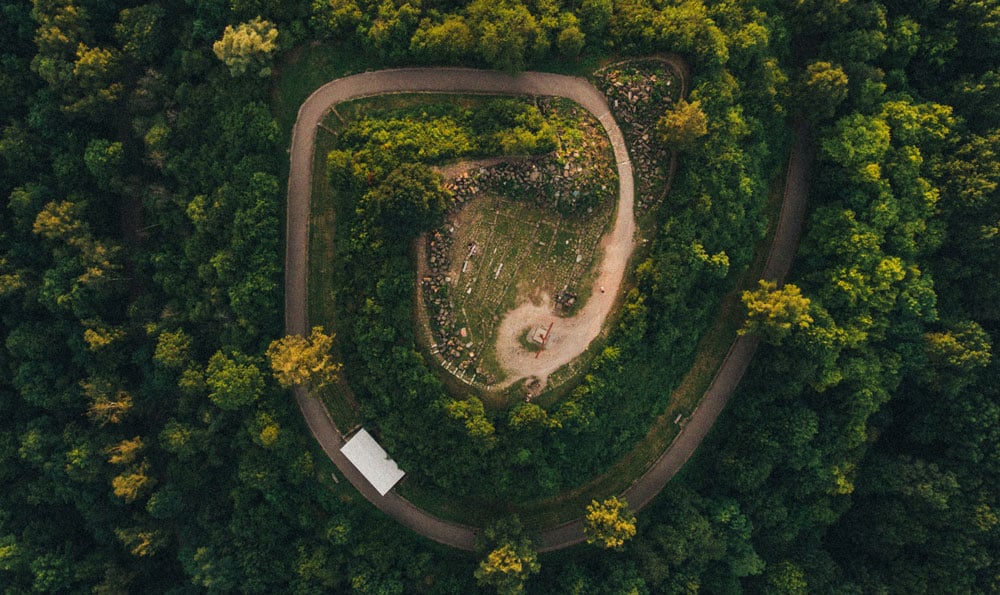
<point x="451" y="340"/>
<point x="570" y="180"/>
<point x="566" y="298"/>
<point x="570" y="187"/>
<point x="639" y="93"/>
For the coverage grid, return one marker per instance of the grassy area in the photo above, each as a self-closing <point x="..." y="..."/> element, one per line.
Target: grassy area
<point x="398" y="104"/>
<point x="544" y="247"/>
<point x="522" y="251"/>
<point x="711" y="350"/>
<point x="322" y="230"/>
<point x="582" y="67"/>
<point x="306" y="69"/>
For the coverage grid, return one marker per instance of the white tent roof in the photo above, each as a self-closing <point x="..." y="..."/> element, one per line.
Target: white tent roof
<point x="372" y="461"/>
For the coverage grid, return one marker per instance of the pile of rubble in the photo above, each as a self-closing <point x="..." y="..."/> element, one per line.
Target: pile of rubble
<point x="566" y="299"/>
<point x="435" y="287"/>
<point x="569" y="181"/>
<point x="639" y="93"/>
<point x="451" y="341"/>
<point x="571" y="187"/>
<point x="439" y="251"/>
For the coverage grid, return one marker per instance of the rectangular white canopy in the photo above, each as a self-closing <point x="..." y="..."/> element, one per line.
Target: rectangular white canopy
<point x="372" y="461"/>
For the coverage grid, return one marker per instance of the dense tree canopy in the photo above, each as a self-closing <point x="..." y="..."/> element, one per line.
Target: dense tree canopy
<point x="144" y="448"/>
<point x="775" y="313"/>
<point x="248" y="44"/>
<point x="682" y="125"/>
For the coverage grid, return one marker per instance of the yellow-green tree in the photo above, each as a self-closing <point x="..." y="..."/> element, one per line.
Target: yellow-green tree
<point x="472" y="414"/>
<point x="108" y="404"/>
<point x="247" y="45"/>
<point x="133" y="482"/>
<point x="233" y="380"/>
<point x="303" y="360"/>
<point x="140" y="542"/>
<point x="511" y="558"/>
<point x="125" y="452"/>
<point x="173" y="349"/>
<point x="609" y="524"/>
<point x="506" y="568"/>
<point x="774" y="313"/>
<point x="449" y="41"/>
<point x="681" y="126"/>
<point x="963" y="346"/>
<point x="823" y="88"/>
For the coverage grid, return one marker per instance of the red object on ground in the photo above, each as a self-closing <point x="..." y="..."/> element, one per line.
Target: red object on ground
<point x="544" y="339"/>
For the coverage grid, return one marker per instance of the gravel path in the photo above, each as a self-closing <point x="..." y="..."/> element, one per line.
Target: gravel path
<point x="311" y="114"/>
<point x="448" y="80"/>
<point x="737" y="360"/>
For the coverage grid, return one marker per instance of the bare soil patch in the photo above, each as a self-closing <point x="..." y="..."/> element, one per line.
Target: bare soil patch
<point x="525" y="233"/>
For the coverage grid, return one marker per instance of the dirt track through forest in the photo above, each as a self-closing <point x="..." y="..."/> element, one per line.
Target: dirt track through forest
<point x="452" y="80"/>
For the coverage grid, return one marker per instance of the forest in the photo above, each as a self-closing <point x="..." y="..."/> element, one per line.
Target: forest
<point x="146" y="446"/>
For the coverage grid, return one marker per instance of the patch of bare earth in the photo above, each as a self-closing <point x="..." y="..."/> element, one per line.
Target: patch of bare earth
<point x="569" y="336"/>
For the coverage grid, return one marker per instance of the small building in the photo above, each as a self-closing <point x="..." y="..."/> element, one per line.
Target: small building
<point x="372" y="461"/>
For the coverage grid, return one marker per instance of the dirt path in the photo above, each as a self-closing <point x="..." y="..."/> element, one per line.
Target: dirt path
<point x="453" y="170"/>
<point x="737" y="360"/>
<point x="569" y="337"/>
<point x="415" y="80"/>
<point x="311" y="114"/>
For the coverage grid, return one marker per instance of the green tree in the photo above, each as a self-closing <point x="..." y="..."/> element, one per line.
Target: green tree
<point x="570" y="41"/>
<point x="595" y="16"/>
<point x="963" y="347"/>
<point x="336" y="18"/>
<point x="53" y="572"/>
<point x="472" y="414"/>
<point x="510" y="560"/>
<point x="303" y="360"/>
<point x="609" y="523"/>
<point x="140" y="31"/>
<point x="530" y="418"/>
<point x="509" y="35"/>
<point x="775" y="313"/>
<point x="448" y="42"/>
<point x="823" y="88"/>
<point x="785" y="578"/>
<point x="681" y="126"/>
<point x="247" y="45"/>
<point x="233" y="381"/>
<point x="96" y="80"/>
<point x="411" y="200"/>
<point x="859" y="143"/>
<point x="392" y="28"/>
<point x="104" y="161"/>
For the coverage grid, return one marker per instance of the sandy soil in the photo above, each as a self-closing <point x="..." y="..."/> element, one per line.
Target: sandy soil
<point x="570" y="336"/>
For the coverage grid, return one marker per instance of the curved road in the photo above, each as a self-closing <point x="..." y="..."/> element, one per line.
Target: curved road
<point x="311" y="114"/>
<point x="737" y="360"/>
